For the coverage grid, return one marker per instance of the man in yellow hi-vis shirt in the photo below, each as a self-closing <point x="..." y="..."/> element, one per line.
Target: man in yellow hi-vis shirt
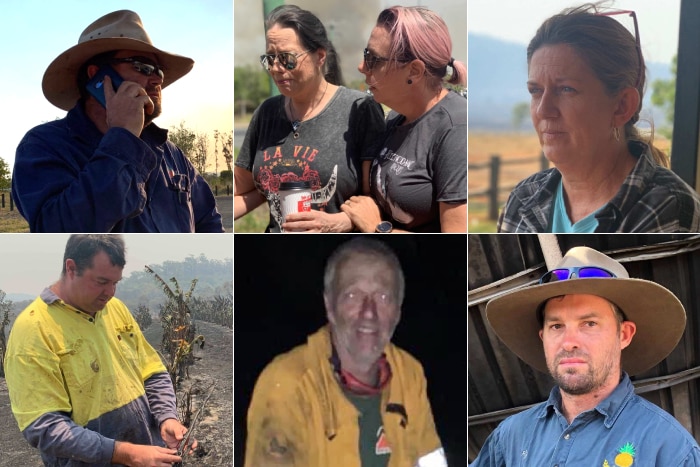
<point x="85" y="386"/>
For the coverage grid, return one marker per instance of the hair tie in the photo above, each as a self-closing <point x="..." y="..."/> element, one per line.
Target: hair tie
<point x="451" y="62"/>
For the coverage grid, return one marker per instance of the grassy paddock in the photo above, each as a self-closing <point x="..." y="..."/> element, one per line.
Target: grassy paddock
<point x="510" y="146"/>
<point x="253" y="222"/>
<point x="12" y="221"/>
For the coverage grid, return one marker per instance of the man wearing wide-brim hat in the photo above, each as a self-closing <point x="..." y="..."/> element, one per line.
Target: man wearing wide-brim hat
<point x="590" y="326"/>
<point x="106" y="167"/>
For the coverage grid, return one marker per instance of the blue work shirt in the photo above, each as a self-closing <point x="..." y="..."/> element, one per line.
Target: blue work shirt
<point x="622" y="423"/>
<point x="69" y="177"/>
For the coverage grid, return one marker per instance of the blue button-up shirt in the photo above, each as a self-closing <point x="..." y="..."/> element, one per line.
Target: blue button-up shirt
<point x="623" y="430"/>
<point x="69" y="177"/>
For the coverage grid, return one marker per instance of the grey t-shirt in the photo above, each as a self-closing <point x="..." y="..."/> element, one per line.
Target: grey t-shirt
<point x="422" y="164"/>
<point x="327" y="151"/>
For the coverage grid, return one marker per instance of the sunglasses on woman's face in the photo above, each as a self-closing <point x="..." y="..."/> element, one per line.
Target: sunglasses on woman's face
<point x="371" y="60"/>
<point x="287" y="59"/>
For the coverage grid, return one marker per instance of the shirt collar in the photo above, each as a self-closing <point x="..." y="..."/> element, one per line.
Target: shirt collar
<point x="610" y="407"/>
<point x="81" y="127"/>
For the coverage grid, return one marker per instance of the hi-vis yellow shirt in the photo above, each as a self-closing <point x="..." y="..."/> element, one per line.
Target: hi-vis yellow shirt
<point x="60" y="359"/>
<point x="300" y="417"/>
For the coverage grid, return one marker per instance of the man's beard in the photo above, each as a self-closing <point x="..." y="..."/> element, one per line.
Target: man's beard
<point x="157" y="109"/>
<point x="575" y="383"/>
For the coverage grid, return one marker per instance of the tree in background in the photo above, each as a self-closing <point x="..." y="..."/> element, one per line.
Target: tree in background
<point x="664" y="96"/>
<point x="521" y="111"/>
<point x="251" y="86"/>
<point x="178" y="327"/>
<point x="5" y="306"/>
<point x="5" y="175"/>
<point x="200" y="154"/>
<point x="143" y="316"/>
<point x="184" y="138"/>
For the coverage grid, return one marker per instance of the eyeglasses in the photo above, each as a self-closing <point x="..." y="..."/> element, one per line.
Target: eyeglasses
<point x="636" y="38"/>
<point x="583" y="272"/>
<point x="286" y="59"/>
<point x="371" y="59"/>
<point x="143" y="65"/>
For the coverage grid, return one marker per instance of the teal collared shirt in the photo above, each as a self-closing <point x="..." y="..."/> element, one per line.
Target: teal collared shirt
<point x="623" y="424"/>
<point x="560" y="219"/>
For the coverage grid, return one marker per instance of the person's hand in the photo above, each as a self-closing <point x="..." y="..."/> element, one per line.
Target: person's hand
<point x="363" y="212"/>
<point x="172" y="432"/>
<point x="317" y="221"/>
<point x="139" y="455"/>
<point x="125" y="108"/>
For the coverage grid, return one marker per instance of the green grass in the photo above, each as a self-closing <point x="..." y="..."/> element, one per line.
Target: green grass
<point x="478" y="217"/>
<point x="254" y="222"/>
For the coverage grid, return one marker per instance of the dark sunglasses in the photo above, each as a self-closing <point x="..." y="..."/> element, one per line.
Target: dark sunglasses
<point x="371" y="60"/>
<point x="286" y="59"/>
<point x="142" y="65"/>
<point x="636" y="37"/>
<point x="583" y="272"/>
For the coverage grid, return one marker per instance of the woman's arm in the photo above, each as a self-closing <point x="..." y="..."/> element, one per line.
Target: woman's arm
<point x="245" y="196"/>
<point x="453" y="217"/>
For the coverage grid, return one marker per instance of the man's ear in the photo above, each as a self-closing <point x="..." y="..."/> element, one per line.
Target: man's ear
<point x="329" y="308"/>
<point x="71" y="268"/>
<point x="92" y="70"/>
<point x="627" y="332"/>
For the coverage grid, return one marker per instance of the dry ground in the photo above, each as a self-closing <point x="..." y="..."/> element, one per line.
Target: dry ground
<point x="215" y="429"/>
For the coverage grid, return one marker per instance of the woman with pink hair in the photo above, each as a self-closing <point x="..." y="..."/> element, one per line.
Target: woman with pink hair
<point x="417" y="178"/>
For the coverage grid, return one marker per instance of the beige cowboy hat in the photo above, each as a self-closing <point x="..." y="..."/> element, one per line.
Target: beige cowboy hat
<point x="118" y="30"/>
<point x="658" y="314"/>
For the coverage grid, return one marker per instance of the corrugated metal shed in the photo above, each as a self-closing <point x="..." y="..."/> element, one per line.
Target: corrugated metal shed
<point x="501" y="384"/>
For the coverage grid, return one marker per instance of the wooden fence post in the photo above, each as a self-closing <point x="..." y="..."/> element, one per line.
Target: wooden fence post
<point x="493" y="187"/>
<point x="12" y="203"/>
<point x="2" y="200"/>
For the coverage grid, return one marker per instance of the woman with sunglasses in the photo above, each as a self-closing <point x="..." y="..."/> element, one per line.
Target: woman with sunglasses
<point x="315" y="131"/>
<point x="418" y="176"/>
<point x="586" y="81"/>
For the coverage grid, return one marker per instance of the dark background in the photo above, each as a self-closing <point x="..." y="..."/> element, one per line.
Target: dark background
<point x="278" y="302"/>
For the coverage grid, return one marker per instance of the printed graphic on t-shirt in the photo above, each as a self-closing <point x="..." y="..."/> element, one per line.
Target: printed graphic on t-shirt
<point x="382" y="447"/>
<point x="277" y="168"/>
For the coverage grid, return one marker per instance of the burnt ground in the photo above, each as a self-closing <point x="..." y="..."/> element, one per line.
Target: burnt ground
<point x="215" y="427"/>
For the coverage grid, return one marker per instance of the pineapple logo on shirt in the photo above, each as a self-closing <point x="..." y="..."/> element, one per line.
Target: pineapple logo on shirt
<point x="382" y="447"/>
<point x="624" y="458"/>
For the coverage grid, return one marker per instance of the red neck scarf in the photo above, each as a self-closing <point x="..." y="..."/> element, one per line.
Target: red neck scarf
<point x="354" y="385"/>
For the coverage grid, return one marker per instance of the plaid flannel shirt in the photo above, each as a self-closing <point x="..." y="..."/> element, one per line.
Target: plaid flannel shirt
<point x="652" y="199"/>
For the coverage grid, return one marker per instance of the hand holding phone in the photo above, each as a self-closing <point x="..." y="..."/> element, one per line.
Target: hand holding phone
<point x="96" y="84"/>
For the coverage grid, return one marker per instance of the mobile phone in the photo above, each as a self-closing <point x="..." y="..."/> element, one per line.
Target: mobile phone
<point x="95" y="85"/>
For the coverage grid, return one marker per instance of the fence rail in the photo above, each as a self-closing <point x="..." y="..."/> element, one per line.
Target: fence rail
<point x="493" y="165"/>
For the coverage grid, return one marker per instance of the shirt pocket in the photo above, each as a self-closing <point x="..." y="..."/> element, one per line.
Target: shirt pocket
<point x="80" y="365"/>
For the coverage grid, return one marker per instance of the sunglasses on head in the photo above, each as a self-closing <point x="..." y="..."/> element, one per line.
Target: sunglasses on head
<point x="143" y="65"/>
<point x="637" y="41"/>
<point x="583" y="272"/>
<point x="287" y="59"/>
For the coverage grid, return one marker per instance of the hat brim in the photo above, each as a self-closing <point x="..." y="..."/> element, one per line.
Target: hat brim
<point x="659" y="317"/>
<point x="60" y="84"/>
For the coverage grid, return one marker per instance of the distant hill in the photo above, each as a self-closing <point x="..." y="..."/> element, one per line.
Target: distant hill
<point x="214" y="278"/>
<point x="497" y="77"/>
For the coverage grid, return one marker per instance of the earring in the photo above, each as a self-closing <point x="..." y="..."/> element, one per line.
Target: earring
<point x="616" y="133"/>
<point x="410" y="81"/>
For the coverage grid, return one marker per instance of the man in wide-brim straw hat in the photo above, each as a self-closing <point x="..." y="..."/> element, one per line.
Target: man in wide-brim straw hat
<point x="106" y="167"/>
<point x="590" y="326"/>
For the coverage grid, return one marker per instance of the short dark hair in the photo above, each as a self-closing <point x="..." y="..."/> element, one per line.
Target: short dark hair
<point x="82" y="248"/>
<point x="82" y="78"/>
<point x="312" y="35"/>
<point x="358" y="246"/>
